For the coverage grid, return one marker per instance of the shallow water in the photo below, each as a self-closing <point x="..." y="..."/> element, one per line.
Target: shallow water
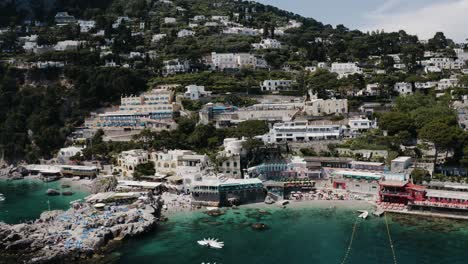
<point x="299" y="236"/>
<point x="26" y="199"/>
<point x="294" y="235"/>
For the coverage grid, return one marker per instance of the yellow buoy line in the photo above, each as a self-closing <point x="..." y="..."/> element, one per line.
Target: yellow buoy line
<point x="353" y="234"/>
<point x="390" y="239"/>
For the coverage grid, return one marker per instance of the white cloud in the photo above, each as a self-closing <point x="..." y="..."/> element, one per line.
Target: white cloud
<point x="449" y="17"/>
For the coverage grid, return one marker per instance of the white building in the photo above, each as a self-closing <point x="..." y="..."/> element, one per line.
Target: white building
<point x="359" y="124"/>
<point x="183" y="163"/>
<point x="320" y="107"/>
<point x="221" y="61"/>
<point x="276" y="85"/>
<point x="220" y="18"/>
<point x="199" y="18"/>
<point x="241" y="31"/>
<point x="120" y="20"/>
<point x="169" y="20"/>
<point x="127" y="161"/>
<point x="430" y="68"/>
<point x="268" y="44"/>
<point x="195" y="92"/>
<point x="211" y="24"/>
<point x="154" y="109"/>
<point x="230" y="158"/>
<point x="345" y="69"/>
<point x="311" y="69"/>
<point x="62" y="18"/>
<point x="65" y="154"/>
<point x="400" y="164"/>
<point x="403" y="88"/>
<point x="445" y="84"/>
<point x="175" y="66"/>
<point x="446" y="63"/>
<point x="301" y="131"/>
<point x="399" y="66"/>
<point x="86" y="25"/>
<point x="373" y="89"/>
<point x="425" y="85"/>
<point x="68" y="45"/>
<point x="158" y="37"/>
<point x="185" y="33"/>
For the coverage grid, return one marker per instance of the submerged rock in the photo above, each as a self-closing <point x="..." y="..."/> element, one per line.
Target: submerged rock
<point x="67" y="193"/>
<point x="259" y="226"/>
<point x="52" y="192"/>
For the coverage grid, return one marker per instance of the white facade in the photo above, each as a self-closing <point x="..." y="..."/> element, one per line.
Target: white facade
<point x="445" y="84"/>
<point x="373" y="89"/>
<point x="120" y="20"/>
<point x="169" y="20"/>
<point x="67" y="153"/>
<point x="403" y="88"/>
<point x="345" y="69"/>
<point x="67" y="45"/>
<point x="199" y="18"/>
<point x="195" y="92"/>
<point x="276" y="85"/>
<point x="241" y="31"/>
<point x="158" y="37"/>
<point x="267" y="44"/>
<point x="128" y="160"/>
<point x="446" y="63"/>
<point x="175" y="66"/>
<point x="221" y="61"/>
<point x="357" y="124"/>
<point x="302" y="131"/>
<point x="431" y="68"/>
<point x="86" y="25"/>
<point x="400" y="164"/>
<point x="320" y="107"/>
<point x="425" y="85"/>
<point x="220" y="18"/>
<point x="230" y="164"/>
<point x="185" y="33"/>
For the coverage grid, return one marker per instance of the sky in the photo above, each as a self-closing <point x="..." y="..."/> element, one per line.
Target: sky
<point x="420" y="17"/>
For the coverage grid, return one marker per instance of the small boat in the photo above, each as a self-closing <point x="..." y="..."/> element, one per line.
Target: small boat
<point x="2" y="197"/>
<point x="211" y="243"/>
<point x="212" y="208"/>
<point x="364" y="214"/>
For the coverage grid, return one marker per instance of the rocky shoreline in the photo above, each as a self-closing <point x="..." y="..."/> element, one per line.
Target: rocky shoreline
<point x="10" y="172"/>
<point x="80" y="234"/>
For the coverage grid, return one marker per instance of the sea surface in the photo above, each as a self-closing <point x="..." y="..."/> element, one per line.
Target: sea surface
<point x="294" y="235"/>
<point x="26" y="199"/>
<point x="300" y="236"/>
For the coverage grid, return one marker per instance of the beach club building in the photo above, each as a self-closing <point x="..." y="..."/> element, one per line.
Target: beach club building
<point x="440" y="197"/>
<point x="212" y="191"/>
<point x="362" y="182"/>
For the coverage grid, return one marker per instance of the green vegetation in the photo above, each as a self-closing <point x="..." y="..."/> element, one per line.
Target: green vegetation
<point x="36" y="120"/>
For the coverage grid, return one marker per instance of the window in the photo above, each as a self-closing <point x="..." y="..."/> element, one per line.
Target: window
<point x="235" y="164"/>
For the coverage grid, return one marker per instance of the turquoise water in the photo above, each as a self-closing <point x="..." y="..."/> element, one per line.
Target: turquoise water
<point x="296" y="235"/>
<point x="26" y="199"/>
<point x="300" y="236"/>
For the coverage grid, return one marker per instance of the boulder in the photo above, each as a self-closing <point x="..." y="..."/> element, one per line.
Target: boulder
<point x="21" y="244"/>
<point x="52" y="192"/>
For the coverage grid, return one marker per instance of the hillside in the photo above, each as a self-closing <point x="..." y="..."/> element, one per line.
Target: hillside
<point x="40" y="106"/>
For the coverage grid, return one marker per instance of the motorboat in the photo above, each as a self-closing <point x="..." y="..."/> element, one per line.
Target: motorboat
<point x="364" y="214"/>
<point x="2" y="197"/>
<point x="211" y="243"/>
